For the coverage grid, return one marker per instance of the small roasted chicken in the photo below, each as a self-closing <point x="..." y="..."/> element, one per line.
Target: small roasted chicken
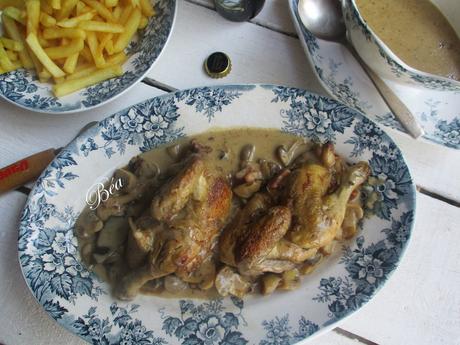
<point x="303" y="214"/>
<point x="192" y="208"/>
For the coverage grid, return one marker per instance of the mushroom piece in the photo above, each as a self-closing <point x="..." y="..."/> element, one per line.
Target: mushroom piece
<point x="143" y="168"/>
<point x="247" y="190"/>
<point x="88" y="224"/>
<point x="286" y="155"/>
<point x="269" y="282"/>
<point x="128" y="179"/>
<point x="174" y="284"/>
<point x="174" y="151"/>
<point x="229" y="282"/>
<point x="290" y="280"/>
<point x="114" y="233"/>
<point x="247" y="154"/>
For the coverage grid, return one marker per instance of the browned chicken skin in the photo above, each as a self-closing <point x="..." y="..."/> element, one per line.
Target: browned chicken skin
<point x="194" y="206"/>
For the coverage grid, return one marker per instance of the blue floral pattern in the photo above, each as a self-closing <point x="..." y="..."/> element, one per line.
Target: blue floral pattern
<point x="76" y="299"/>
<point x="206" y="323"/>
<point x="209" y="100"/>
<point x="346" y="82"/>
<point x="367" y="269"/>
<point x="279" y="332"/>
<point x="23" y="88"/>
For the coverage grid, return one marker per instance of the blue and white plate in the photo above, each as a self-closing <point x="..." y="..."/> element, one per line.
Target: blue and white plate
<point x="437" y="109"/>
<point x="347" y="280"/>
<point x="21" y="87"/>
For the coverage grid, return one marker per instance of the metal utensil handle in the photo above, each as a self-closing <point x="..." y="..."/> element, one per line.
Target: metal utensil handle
<point x="25" y="170"/>
<point x="399" y="109"/>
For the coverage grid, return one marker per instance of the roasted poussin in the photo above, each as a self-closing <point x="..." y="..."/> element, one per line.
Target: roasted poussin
<point x="193" y="207"/>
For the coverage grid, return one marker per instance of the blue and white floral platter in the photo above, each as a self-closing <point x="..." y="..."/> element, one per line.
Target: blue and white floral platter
<point x="22" y="87"/>
<point x="435" y="102"/>
<point x="347" y="280"/>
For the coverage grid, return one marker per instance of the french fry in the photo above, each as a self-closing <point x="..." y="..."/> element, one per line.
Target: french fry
<point x="93" y="47"/>
<point x="52" y="33"/>
<point x="125" y="13"/>
<point x="79" y="8"/>
<point x="73" y="22"/>
<point x="146" y="7"/>
<point x="37" y="65"/>
<point x="67" y="7"/>
<point x="46" y="20"/>
<point x="13" y="56"/>
<point x="71" y="63"/>
<point x="55" y="4"/>
<point x="130" y="29"/>
<point x="10" y="44"/>
<point x="135" y="3"/>
<point x="109" y="47"/>
<point x="6" y="3"/>
<point x="82" y="71"/>
<point x="13" y="32"/>
<point x="64" y="51"/>
<point x="44" y="42"/>
<point x="59" y="80"/>
<point x="117" y="13"/>
<point x="33" y="15"/>
<point x="16" y="14"/>
<point x="116" y="59"/>
<point x="46" y="7"/>
<point x="5" y="61"/>
<point x="44" y="76"/>
<point x="111" y="3"/>
<point x="143" y="23"/>
<point x="34" y="45"/>
<point x="101" y="26"/>
<point x="103" y="11"/>
<point x="86" y="54"/>
<point x="70" y="86"/>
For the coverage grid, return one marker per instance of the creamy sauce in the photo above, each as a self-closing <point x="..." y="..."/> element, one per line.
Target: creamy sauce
<point x="226" y="146"/>
<point x="417" y="32"/>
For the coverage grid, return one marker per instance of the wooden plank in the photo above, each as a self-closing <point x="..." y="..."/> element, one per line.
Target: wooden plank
<point x="23" y="133"/>
<point x="258" y="55"/>
<point x="22" y="319"/>
<point x="420" y="303"/>
<point x="274" y="15"/>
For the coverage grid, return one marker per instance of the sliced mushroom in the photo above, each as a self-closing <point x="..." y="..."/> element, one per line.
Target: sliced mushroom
<point x="247" y="154"/>
<point x="143" y="168"/>
<point x="269" y="283"/>
<point x="113" y="234"/>
<point x="290" y="280"/>
<point x="247" y="190"/>
<point x="174" y="151"/>
<point x="269" y="168"/>
<point x="228" y="282"/>
<point x="128" y="179"/>
<point x="88" y="224"/>
<point x="286" y="155"/>
<point x="174" y="284"/>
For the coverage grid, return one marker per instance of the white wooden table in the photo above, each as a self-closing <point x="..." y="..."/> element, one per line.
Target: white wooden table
<point x="421" y="302"/>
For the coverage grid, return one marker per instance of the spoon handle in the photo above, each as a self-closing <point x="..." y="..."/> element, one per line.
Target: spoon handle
<point x="402" y="113"/>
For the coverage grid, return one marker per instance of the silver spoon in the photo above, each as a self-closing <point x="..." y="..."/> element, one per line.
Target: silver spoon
<point x="324" y="19"/>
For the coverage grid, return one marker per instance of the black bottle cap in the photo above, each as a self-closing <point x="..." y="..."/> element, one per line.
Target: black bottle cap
<point x="218" y="65"/>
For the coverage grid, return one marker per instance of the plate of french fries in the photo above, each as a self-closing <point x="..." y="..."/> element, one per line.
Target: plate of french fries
<point x="63" y="56"/>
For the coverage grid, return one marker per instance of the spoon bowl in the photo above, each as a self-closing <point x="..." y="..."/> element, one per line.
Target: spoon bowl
<point x="323" y="18"/>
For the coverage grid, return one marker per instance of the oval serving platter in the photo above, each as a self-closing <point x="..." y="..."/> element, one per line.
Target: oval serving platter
<point x="80" y="302"/>
<point x="22" y="88"/>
